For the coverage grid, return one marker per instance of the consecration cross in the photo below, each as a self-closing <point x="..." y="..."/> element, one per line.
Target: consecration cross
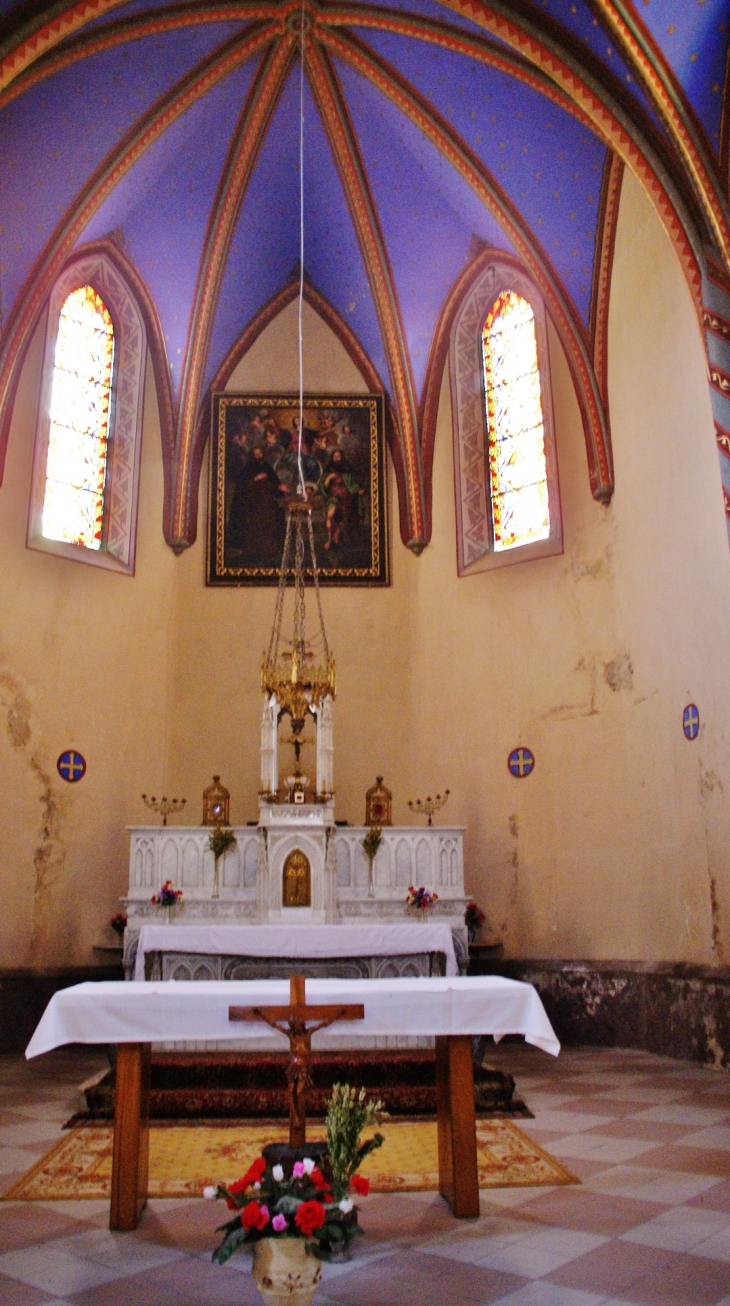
<point x="299" y="1022"/>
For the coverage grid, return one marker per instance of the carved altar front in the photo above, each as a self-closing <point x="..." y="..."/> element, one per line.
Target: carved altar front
<point x="252" y="875"/>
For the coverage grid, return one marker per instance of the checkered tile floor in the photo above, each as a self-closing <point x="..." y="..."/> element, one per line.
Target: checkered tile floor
<point x="649" y="1225"/>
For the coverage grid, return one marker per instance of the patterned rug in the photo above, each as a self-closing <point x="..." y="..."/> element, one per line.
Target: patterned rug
<point x="184" y="1158"/>
<point x="206" y="1086"/>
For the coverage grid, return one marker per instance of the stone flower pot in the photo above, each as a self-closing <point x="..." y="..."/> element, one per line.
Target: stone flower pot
<point x="284" y="1272"/>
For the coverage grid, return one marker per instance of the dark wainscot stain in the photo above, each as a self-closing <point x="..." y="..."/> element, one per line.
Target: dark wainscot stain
<point x="672" y="1009"/>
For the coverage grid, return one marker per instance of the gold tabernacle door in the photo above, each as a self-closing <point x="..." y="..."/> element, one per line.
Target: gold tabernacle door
<point x="297" y="887"/>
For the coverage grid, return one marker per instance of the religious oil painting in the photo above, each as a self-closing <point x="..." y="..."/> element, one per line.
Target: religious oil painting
<point x="255" y="475"/>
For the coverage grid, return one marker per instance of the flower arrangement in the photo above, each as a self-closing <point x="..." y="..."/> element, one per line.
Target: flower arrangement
<point x="167" y="896"/>
<point x="473" y="918"/>
<point x="420" y="899"/>
<point x="119" y="923"/>
<point x="271" y="1204"/>
<point x="219" y="841"/>
<point x="372" y="842"/>
<point x="301" y="1201"/>
<point x="370" y="845"/>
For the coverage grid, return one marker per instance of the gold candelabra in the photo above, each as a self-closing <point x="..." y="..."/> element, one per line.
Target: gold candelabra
<point x="164" y="806"/>
<point x="430" y="806"/>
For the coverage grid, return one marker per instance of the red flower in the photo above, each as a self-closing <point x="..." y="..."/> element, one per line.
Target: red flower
<point x="317" y="1177"/>
<point x="309" y="1216"/>
<point x="360" y="1185"/>
<point x="234" y="1189"/>
<point x="253" y="1175"/>
<point x="255" y="1216"/>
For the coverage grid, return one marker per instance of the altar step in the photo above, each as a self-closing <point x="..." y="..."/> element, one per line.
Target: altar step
<point x="234" y="1085"/>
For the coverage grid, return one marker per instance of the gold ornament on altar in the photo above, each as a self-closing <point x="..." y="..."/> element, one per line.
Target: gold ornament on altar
<point x="216" y="803"/>
<point x="297" y="880"/>
<point x="298" y="669"/>
<point x="430" y="806"/>
<point x="378" y="804"/>
<point x="164" y="806"/>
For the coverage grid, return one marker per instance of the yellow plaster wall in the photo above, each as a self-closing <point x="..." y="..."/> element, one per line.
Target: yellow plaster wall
<point x="83" y="664"/>
<point x="617" y="844"/>
<point x="222" y="633"/>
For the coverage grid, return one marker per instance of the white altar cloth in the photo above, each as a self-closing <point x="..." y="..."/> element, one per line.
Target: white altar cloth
<point x="376" y="940"/>
<point x="112" y="1011"/>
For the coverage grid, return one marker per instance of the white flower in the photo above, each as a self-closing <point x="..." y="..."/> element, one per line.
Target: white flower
<point x="209" y="1192"/>
<point x="346" y="1206"/>
<point x="257" y="1186"/>
<point x="278" y="1173"/>
<point x="308" y="1164"/>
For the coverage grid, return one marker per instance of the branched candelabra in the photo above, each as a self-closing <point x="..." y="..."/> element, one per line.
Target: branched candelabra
<point x="430" y="806"/>
<point x="164" y="806"/>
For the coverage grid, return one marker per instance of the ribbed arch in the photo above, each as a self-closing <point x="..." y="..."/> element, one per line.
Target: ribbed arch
<point x="518" y="41"/>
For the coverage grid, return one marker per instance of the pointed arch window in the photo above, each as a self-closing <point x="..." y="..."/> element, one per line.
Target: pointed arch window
<point x="508" y="503"/>
<point x="88" y="439"/>
<point x="518" y="488"/>
<point x="81" y="394"/>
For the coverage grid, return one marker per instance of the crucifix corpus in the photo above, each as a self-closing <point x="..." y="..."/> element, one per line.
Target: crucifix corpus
<point x="298" y="1022"/>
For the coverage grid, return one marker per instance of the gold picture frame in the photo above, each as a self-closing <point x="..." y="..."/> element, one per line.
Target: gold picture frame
<point x="254" y="474"/>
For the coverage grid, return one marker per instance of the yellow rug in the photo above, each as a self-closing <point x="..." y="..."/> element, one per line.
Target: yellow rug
<point x="184" y="1158"/>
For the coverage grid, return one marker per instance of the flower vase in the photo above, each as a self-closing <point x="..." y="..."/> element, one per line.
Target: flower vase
<point x="285" y="1272"/>
<point x="371" y="878"/>
<point x="216" y="879"/>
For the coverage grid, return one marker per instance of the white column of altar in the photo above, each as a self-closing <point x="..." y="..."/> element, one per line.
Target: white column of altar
<point x="270" y="746"/>
<point x="325" y="748"/>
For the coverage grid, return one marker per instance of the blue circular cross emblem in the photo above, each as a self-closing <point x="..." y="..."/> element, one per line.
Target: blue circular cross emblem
<point x="521" y="762"/>
<point x="71" y="766"/>
<point x="691" y="721"/>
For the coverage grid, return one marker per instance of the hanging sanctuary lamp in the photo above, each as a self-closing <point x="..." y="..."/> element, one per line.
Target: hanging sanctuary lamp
<point x="298" y="670"/>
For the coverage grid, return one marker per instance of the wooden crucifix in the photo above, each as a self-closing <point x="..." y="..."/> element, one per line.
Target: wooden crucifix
<point x="299" y="1022"/>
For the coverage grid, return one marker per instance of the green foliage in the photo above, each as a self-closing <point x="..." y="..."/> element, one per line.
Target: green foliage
<point x="234" y="1237"/>
<point x="333" y="1239"/>
<point x="348" y="1113"/>
<point x="220" y="841"/>
<point x="372" y="841"/>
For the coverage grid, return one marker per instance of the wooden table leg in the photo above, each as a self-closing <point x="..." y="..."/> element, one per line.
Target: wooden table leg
<point x="131" y="1135"/>
<point x="457" y="1134"/>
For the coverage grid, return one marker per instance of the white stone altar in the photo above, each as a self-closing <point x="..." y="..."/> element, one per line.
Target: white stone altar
<point x="251" y="874"/>
<point x="296" y="867"/>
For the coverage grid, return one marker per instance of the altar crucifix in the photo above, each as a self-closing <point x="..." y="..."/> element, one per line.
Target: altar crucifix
<point x="298" y="1022"/>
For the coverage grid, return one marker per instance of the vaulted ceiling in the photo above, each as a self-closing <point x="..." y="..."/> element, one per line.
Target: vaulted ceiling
<point x="432" y="132"/>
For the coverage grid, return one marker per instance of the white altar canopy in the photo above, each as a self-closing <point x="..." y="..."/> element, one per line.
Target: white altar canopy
<point x="365" y="940"/>
<point x="117" y="1012"/>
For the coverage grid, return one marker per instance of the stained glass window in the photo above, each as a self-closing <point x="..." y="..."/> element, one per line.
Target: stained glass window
<point x="517" y="465"/>
<point x="73" y="502"/>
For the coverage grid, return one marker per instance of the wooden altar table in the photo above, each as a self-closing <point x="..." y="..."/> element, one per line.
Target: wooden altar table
<point x="135" y="1015"/>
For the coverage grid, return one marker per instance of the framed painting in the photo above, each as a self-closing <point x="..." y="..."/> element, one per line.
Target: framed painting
<point x="254" y="475"/>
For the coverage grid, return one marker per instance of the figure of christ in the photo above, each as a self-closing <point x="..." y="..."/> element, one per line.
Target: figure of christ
<point x="294" y="1022"/>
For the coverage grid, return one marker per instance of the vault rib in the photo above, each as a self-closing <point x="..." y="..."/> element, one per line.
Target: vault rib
<point x="243" y="152"/>
<point x="567" y="322"/>
<point x="150" y="23"/>
<point x="149" y="127"/>
<point x="350" y="165"/>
